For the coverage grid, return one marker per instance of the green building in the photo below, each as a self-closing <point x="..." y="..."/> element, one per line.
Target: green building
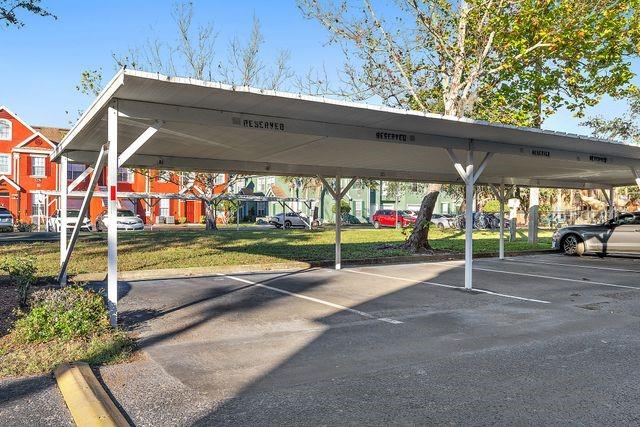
<point x="363" y="199"/>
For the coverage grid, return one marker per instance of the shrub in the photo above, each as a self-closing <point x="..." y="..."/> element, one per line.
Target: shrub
<point x="345" y="207"/>
<point x="492" y="206"/>
<point x="24" y="226"/>
<point x="203" y="219"/>
<point x="22" y="271"/>
<point x="66" y="313"/>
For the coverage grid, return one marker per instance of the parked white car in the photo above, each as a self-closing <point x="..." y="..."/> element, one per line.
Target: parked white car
<point x="126" y="220"/>
<point x="441" y="221"/>
<point x="291" y="219"/>
<point x="72" y="219"/>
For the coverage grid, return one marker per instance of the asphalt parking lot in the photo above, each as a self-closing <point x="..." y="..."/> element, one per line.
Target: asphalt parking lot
<point x="543" y="339"/>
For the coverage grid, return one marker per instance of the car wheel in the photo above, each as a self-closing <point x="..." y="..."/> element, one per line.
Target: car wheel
<point x="278" y="226"/>
<point x="376" y="225"/>
<point x="573" y="245"/>
<point x="287" y="224"/>
<point x="440" y="226"/>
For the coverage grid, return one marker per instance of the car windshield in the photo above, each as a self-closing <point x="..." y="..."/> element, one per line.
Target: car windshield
<point x="73" y="213"/>
<point x="126" y="213"/>
<point x="4" y="211"/>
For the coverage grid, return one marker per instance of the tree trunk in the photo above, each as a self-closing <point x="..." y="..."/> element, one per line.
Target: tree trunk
<point x="210" y="222"/>
<point x="418" y="240"/>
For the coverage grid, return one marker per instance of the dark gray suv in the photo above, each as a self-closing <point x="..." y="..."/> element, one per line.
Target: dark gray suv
<point x="619" y="235"/>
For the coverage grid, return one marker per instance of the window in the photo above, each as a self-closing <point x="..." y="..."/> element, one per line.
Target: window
<point x="219" y="180"/>
<point x="5" y="163"/>
<point x="125" y="175"/>
<point x="164" y="207"/>
<point x="444" y="208"/>
<point x="74" y="170"/>
<point x="37" y="205"/>
<point x="5" y="130"/>
<point x="37" y="166"/>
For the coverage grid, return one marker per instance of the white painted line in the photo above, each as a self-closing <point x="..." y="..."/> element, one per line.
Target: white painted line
<point x="540" y="276"/>
<point x="510" y="259"/>
<point x="442" y="285"/>
<point x="319" y="301"/>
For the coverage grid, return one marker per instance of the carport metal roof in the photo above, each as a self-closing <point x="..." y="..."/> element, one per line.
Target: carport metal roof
<point x="154" y="121"/>
<point x="215" y="127"/>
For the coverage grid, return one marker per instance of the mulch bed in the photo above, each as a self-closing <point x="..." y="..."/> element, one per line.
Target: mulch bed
<point x="8" y="304"/>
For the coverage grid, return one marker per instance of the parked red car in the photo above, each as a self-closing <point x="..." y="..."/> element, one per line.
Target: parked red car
<point x="387" y="218"/>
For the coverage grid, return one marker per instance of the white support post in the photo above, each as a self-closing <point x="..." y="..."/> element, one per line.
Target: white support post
<point x="468" y="223"/>
<point x="112" y="212"/>
<point x="62" y="217"/>
<point x="338" y="193"/>
<point x="612" y="203"/>
<point x="469" y="175"/>
<point x="86" y="201"/>
<point x="238" y="215"/>
<point x="501" y="200"/>
<point x="338" y="202"/>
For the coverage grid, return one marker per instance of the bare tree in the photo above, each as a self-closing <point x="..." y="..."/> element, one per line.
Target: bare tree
<point x="194" y="54"/>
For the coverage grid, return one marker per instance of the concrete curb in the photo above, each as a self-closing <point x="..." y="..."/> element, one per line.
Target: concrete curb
<point x="88" y="402"/>
<point x="177" y="273"/>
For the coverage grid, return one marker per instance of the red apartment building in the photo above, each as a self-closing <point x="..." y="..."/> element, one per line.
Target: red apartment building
<point x="27" y="176"/>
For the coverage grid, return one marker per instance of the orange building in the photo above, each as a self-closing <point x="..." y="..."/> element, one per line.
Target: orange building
<point x="29" y="181"/>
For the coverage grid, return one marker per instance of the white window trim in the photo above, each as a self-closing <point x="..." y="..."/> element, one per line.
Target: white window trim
<point x="10" y="163"/>
<point x="10" y="130"/>
<point x="44" y="166"/>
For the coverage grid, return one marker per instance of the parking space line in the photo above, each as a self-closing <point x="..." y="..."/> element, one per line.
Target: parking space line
<point x="565" y="279"/>
<point x="442" y="285"/>
<point x="516" y="260"/>
<point x="312" y="299"/>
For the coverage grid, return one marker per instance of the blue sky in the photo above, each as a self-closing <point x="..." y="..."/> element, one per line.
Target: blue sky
<point x="46" y="57"/>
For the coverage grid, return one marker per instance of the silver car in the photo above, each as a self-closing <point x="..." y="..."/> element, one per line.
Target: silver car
<point x="619" y="235"/>
<point x="291" y="219"/>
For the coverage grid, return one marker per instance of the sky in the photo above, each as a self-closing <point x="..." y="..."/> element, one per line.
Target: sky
<point x="43" y="60"/>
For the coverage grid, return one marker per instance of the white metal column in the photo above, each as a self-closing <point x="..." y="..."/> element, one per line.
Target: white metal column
<point x="502" y="197"/>
<point x="84" y="208"/>
<point x="112" y="212"/>
<point x="469" y="175"/>
<point x="338" y="202"/>
<point x="62" y="215"/>
<point x="338" y="193"/>
<point x="468" y="223"/>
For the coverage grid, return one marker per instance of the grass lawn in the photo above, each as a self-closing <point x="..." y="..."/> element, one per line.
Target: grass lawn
<point x="187" y="248"/>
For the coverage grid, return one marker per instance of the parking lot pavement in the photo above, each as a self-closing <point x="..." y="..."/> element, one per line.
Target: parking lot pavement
<point x="392" y="344"/>
<point x="32" y="401"/>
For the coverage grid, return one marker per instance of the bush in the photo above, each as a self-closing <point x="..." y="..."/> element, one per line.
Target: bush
<point x="203" y="219"/>
<point x="66" y="313"/>
<point x="492" y="206"/>
<point x="24" y="226"/>
<point x="22" y="271"/>
<point x="345" y="207"/>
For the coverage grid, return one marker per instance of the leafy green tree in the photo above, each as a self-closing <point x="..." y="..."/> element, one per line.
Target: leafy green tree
<point x="512" y="62"/>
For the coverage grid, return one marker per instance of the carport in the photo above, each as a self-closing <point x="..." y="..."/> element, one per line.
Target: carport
<point x="148" y="120"/>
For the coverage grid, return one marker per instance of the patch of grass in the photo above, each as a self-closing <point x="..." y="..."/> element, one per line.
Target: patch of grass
<point x="62" y="325"/>
<point x="19" y="358"/>
<point x="197" y="248"/>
